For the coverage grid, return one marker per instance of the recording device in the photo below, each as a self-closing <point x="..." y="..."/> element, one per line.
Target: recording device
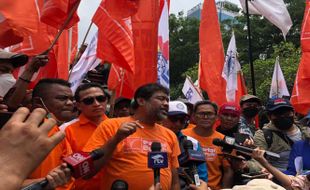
<point x="240" y="137"/>
<point x="80" y="163"/>
<point x="119" y="185"/>
<point x="157" y="160"/>
<point x="230" y="143"/>
<point x="190" y="159"/>
<point x="4" y="117"/>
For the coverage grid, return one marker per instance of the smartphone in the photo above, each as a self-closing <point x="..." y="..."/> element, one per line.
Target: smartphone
<point x="255" y="175"/>
<point x="4" y="117"/>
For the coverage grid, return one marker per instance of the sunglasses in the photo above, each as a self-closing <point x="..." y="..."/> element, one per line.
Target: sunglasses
<point x="91" y="100"/>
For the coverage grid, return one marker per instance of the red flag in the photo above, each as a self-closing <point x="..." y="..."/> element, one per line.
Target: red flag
<point x="242" y="89"/>
<point x="55" y="12"/>
<point x="212" y="54"/>
<point x="145" y="34"/>
<point x="301" y="92"/>
<point x="115" y="43"/>
<point x="8" y="36"/>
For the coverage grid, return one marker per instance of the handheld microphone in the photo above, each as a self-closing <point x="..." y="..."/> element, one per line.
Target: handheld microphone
<point x="119" y="185"/>
<point x="190" y="158"/>
<point x="80" y="163"/>
<point x="157" y="160"/>
<point x="230" y="143"/>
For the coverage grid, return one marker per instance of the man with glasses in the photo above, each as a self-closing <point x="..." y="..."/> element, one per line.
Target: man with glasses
<point x="220" y="174"/>
<point x="281" y="132"/>
<point x="126" y="142"/>
<point x="177" y="120"/>
<point x="91" y="101"/>
<point x="250" y="106"/>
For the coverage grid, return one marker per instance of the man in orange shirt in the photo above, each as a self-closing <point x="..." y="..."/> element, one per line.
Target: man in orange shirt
<point x="220" y="174"/>
<point x="91" y="101"/>
<point x="126" y="142"/>
<point x="55" y="96"/>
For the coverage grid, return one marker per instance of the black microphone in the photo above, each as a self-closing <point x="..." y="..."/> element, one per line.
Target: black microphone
<point x="157" y="160"/>
<point x="191" y="158"/>
<point x="119" y="185"/>
<point x="230" y="142"/>
<point x="80" y="164"/>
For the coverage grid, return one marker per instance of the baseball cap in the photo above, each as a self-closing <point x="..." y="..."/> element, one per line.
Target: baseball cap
<point x="122" y="99"/>
<point x="17" y="60"/>
<point x="177" y="108"/>
<point x="250" y="98"/>
<point x="274" y="104"/>
<point x="231" y="108"/>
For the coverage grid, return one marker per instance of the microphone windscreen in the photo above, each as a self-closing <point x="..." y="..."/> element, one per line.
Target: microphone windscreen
<point x="218" y="142"/>
<point x="156" y="147"/>
<point x="188" y="145"/>
<point x="119" y="185"/>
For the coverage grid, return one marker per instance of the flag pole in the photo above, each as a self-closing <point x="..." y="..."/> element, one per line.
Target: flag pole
<point x="122" y="81"/>
<point x="277" y="77"/>
<point x="250" y="46"/>
<point x="76" y="56"/>
<point x="72" y="11"/>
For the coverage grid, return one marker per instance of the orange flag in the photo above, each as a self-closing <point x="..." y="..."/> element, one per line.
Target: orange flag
<point x="301" y="92"/>
<point x="115" y="42"/>
<point x="8" y="36"/>
<point x="212" y="54"/>
<point x="55" y="12"/>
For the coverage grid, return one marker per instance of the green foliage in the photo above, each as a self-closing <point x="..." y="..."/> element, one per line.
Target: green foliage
<point x="289" y="60"/>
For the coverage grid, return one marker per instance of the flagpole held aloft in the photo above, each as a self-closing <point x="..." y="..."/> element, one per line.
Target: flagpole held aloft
<point x="250" y="47"/>
<point x="72" y="11"/>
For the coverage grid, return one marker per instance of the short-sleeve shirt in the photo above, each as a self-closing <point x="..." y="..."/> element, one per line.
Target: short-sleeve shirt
<point x="215" y="163"/>
<point x="78" y="131"/>
<point x="129" y="159"/>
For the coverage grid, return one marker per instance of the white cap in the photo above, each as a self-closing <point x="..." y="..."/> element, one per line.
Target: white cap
<point x="177" y="108"/>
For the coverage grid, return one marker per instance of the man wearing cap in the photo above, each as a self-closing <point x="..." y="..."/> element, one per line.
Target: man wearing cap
<point x="229" y="115"/>
<point x="121" y="107"/>
<point x="281" y="132"/>
<point x="249" y="107"/>
<point x="9" y="62"/>
<point x="14" y="90"/>
<point x="177" y="120"/>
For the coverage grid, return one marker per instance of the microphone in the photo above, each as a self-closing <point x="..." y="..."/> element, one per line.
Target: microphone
<point x="80" y="163"/>
<point x="230" y="143"/>
<point x="157" y="160"/>
<point x="119" y="185"/>
<point x="191" y="158"/>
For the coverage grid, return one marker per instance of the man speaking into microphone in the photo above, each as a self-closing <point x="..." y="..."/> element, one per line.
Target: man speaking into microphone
<point x="127" y="141"/>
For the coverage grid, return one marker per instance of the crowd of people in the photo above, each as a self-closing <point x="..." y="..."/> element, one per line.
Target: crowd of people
<point x="44" y="125"/>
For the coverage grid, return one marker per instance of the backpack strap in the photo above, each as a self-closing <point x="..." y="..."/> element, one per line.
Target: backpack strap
<point x="268" y="137"/>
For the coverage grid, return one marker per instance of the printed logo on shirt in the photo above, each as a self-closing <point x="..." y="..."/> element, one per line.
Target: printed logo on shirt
<point x="210" y="153"/>
<point x="138" y="144"/>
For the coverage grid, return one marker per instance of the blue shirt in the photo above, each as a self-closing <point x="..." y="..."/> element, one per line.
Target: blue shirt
<point x="299" y="149"/>
<point x="202" y="168"/>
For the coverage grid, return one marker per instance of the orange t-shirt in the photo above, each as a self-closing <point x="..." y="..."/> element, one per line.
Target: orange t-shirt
<point x="215" y="163"/>
<point x="78" y="131"/>
<point x="53" y="160"/>
<point x="190" y="126"/>
<point x="129" y="159"/>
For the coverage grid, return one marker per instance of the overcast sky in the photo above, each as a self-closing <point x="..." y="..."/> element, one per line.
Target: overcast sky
<point x="87" y="9"/>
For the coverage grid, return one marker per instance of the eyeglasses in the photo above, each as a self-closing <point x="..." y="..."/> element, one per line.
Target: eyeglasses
<point x="91" y="100"/>
<point x="205" y="115"/>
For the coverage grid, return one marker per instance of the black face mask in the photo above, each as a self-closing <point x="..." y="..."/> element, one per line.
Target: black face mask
<point x="283" y="123"/>
<point x="250" y="112"/>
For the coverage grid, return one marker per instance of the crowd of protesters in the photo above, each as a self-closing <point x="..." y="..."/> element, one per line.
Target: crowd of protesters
<point x="42" y="126"/>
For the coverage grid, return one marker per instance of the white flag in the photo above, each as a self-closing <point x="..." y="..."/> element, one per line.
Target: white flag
<point x="190" y="92"/>
<point x="163" y="50"/>
<point x="274" y="10"/>
<point x="87" y="62"/>
<point x="231" y="69"/>
<point x="278" y="85"/>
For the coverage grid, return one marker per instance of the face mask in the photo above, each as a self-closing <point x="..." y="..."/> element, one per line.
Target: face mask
<point x="283" y="123"/>
<point x="250" y="112"/>
<point x="7" y="82"/>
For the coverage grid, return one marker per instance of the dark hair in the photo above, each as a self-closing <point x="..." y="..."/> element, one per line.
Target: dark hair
<point x="86" y="86"/>
<point x="146" y="91"/>
<point x="205" y="102"/>
<point x="44" y="84"/>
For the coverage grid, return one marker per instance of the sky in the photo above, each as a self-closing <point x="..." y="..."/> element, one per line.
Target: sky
<point x="87" y="9"/>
